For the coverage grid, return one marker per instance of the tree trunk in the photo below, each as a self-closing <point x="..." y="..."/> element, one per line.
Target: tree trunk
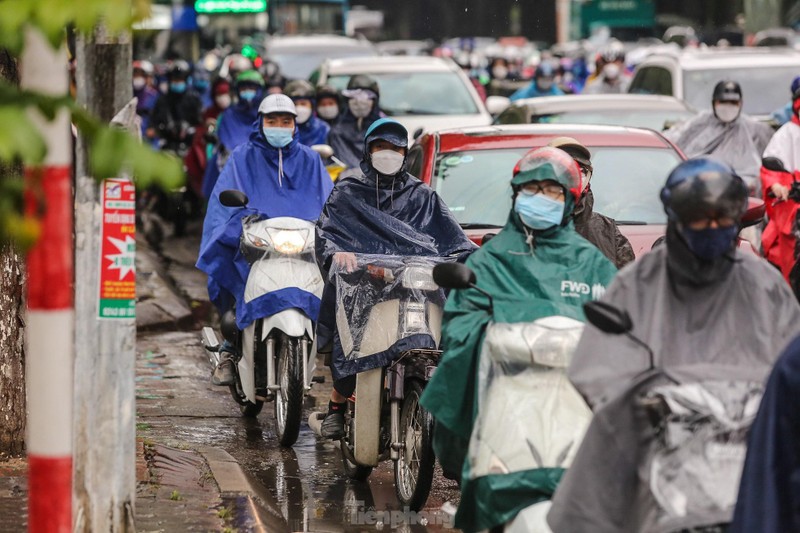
<point x="12" y="331"/>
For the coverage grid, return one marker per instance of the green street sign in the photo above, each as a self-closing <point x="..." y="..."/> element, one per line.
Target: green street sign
<point x="230" y="6"/>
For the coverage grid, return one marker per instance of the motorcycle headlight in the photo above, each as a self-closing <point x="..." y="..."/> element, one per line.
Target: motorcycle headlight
<point x="256" y="241"/>
<point x="288" y="242"/>
<point x="419" y="278"/>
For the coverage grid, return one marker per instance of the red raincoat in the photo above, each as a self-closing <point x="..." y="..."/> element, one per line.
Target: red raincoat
<point x="778" y="240"/>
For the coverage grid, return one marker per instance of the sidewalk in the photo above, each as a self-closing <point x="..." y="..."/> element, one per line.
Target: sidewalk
<point x="179" y="487"/>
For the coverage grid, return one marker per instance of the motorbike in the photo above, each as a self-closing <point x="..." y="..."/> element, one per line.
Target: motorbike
<point x="781" y="235"/>
<point x="275" y="355"/>
<point x="530" y="418"/>
<point x="389" y="301"/>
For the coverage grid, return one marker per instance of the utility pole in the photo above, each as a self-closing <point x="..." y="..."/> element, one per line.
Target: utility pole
<point x="762" y="14"/>
<point x="105" y="405"/>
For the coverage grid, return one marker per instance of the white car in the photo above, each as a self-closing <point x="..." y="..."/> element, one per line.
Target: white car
<point x="422" y="93"/>
<point x="765" y="75"/>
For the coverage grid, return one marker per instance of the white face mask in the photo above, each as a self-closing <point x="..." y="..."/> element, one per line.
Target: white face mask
<point x="387" y="162"/>
<point x="139" y="83"/>
<point x="360" y="108"/>
<point x="303" y="114"/>
<point x="611" y="71"/>
<point x="223" y="101"/>
<point x="500" y="73"/>
<point x="726" y="112"/>
<point x="328" y="112"/>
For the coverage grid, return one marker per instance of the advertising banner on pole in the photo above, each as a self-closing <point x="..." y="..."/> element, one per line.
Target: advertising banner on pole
<point x="118" y="251"/>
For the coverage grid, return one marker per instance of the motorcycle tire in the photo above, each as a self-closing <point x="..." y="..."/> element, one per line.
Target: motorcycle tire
<point x="354" y="471"/>
<point x="250" y="409"/>
<point x="413" y="471"/>
<point x="289" y="399"/>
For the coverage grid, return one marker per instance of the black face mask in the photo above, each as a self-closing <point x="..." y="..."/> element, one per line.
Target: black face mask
<point x="686" y="268"/>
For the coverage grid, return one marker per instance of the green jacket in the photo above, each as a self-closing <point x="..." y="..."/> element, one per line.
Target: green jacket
<point x="551" y="273"/>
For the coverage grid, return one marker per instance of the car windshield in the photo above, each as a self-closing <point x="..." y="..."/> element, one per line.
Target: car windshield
<point x="419" y="93"/>
<point x="616" y="117"/>
<point x="626" y="183"/>
<point x="763" y="89"/>
<point x="299" y="63"/>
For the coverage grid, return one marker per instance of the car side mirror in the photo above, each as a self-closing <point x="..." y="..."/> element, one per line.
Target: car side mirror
<point x="324" y="151"/>
<point x="417" y="134"/>
<point x="608" y="318"/>
<point x="774" y="164"/>
<point x="497" y="104"/>
<point x="233" y="198"/>
<point x="756" y="210"/>
<point x="453" y="276"/>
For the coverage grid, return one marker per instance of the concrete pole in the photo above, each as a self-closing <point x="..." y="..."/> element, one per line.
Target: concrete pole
<point x="105" y="409"/>
<point x="563" y="19"/>
<point x="762" y="14"/>
<point x="50" y="318"/>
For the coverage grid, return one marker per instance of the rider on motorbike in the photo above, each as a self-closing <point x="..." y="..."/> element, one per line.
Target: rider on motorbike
<point x="543" y="84"/>
<point x="347" y="133"/>
<point x="177" y="112"/>
<point x="234" y="124"/>
<point x="280" y="177"/>
<point x="706" y="310"/>
<point x="312" y="130"/>
<point x="725" y="133"/>
<point x="612" y="79"/>
<point x="592" y="226"/>
<point x="378" y="208"/>
<point x="328" y="104"/>
<point x="537" y="266"/>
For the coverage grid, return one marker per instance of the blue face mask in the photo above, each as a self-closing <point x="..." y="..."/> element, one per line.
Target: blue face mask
<point x="248" y="95"/>
<point x="278" y="137"/>
<point x="539" y="212"/>
<point x="177" y="87"/>
<point x="710" y="243"/>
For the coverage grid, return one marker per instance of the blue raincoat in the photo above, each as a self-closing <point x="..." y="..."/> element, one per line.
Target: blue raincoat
<point x="314" y="131"/>
<point x="233" y="129"/>
<point x="347" y="136"/>
<point x="532" y="91"/>
<point x="287" y="182"/>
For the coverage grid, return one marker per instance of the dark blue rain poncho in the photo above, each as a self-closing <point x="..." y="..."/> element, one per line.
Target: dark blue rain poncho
<point x="314" y="131"/>
<point x="769" y="493"/>
<point x="347" y="136"/>
<point x="288" y="182"/>
<point x="233" y="129"/>
<point x="386" y="215"/>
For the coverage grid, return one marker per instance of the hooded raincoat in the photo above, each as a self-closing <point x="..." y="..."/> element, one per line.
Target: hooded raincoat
<point x="739" y="143"/>
<point x="602" y="232"/>
<point x="233" y="129"/>
<point x="382" y="215"/>
<point x="530" y="276"/>
<point x="347" y="136"/>
<point x="279" y="182"/>
<point x="697" y="333"/>
<point x="313" y="131"/>
<point x="769" y="493"/>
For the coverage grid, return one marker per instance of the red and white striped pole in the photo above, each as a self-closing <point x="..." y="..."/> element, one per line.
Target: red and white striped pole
<point x="49" y="351"/>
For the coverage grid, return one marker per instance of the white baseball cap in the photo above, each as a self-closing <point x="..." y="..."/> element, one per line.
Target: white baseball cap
<point x="277" y="103"/>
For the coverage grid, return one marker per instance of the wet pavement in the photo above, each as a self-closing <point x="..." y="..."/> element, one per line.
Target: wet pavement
<point x="179" y="408"/>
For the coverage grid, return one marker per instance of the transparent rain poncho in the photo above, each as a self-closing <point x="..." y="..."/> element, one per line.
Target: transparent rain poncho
<point x="386" y="306"/>
<point x="529" y="414"/>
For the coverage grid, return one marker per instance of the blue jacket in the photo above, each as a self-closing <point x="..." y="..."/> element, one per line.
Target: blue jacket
<point x="287" y="182"/>
<point x="347" y="139"/>
<point x="314" y="131"/>
<point x="532" y="91"/>
<point x="233" y="129"/>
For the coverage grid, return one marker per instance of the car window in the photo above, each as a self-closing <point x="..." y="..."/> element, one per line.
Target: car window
<point x="300" y="63"/>
<point x="652" y="80"/>
<point x="419" y="93"/>
<point x="655" y="120"/>
<point x="513" y="115"/>
<point x="475" y="184"/>
<point x="764" y="89"/>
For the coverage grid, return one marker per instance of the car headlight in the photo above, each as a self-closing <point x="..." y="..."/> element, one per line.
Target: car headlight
<point x="419" y="278"/>
<point x="289" y="242"/>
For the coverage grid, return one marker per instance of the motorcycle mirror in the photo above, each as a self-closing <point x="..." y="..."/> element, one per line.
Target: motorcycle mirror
<point x="453" y="276"/>
<point x="488" y="237"/>
<point x="756" y="209"/>
<point x="418" y="133"/>
<point x="608" y="318"/>
<point x="774" y="164"/>
<point x="233" y="198"/>
<point x="324" y="151"/>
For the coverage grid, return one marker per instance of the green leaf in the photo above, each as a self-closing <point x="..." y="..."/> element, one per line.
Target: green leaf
<point x="21" y="139"/>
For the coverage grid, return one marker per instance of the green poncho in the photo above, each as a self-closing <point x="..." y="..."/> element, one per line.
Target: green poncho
<point x="553" y="275"/>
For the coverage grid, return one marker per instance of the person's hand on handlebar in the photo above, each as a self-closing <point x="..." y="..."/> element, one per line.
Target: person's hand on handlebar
<point x="781" y="192"/>
<point x="345" y="260"/>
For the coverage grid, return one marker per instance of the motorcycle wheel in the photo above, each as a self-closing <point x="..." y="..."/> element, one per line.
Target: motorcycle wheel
<point x="250" y="409"/>
<point x="413" y="471"/>
<point x="289" y="399"/>
<point x="354" y="471"/>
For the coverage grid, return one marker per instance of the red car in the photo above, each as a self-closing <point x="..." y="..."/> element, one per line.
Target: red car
<point x="471" y="171"/>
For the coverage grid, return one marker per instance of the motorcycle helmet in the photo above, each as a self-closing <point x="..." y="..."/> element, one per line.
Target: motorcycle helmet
<point x="795" y="88"/>
<point x="179" y="70"/>
<point x="143" y="66"/>
<point x="389" y="130"/>
<point x="300" y="90"/>
<point x="327" y="91"/>
<point x="364" y="82"/>
<point x="727" y="91"/>
<point x="548" y="163"/>
<point x="704" y="187"/>
<point x="250" y="76"/>
<point x="613" y="53"/>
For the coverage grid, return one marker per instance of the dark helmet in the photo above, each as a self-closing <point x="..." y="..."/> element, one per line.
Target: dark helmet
<point x="389" y="130"/>
<point x="704" y="187"/>
<point x="362" y="81"/>
<point x="544" y="70"/>
<point x="179" y="69"/>
<point x="727" y="91"/>
<point x="796" y="88"/>
<point x="548" y="163"/>
<point x="300" y="90"/>
<point x="276" y="81"/>
<point x="327" y="91"/>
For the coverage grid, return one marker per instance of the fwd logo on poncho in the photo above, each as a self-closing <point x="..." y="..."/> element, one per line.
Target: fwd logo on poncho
<point x="576" y="289"/>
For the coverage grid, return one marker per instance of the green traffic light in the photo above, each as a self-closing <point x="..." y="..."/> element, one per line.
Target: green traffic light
<point x="230" y="6"/>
